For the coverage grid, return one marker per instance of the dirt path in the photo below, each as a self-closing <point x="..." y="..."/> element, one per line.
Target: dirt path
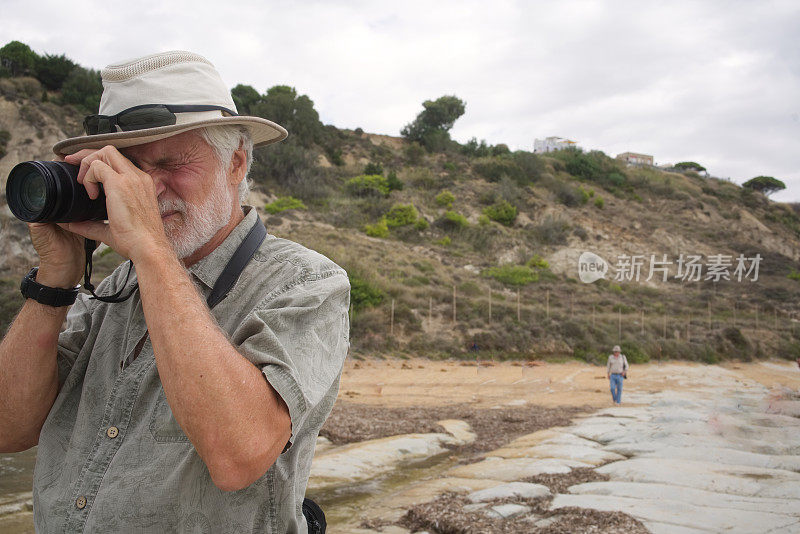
<point x="417" y="382"/>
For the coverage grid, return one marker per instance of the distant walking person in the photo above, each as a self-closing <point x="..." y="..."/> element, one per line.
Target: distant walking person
<point x="617" y="370"/>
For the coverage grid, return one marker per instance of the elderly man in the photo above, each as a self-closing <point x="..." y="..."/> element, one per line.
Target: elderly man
<point x="194" y="405"/>
<point x="617" y="371"/>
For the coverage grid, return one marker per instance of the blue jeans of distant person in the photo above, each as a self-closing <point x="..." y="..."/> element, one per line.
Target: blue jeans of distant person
<point x="616" y="387"/>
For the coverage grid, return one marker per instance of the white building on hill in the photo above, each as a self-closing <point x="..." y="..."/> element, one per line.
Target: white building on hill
<point x="632" y="158"/>
<point x="551" y="144"/>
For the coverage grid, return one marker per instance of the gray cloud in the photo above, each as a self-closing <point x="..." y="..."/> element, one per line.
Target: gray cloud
<point x="715" y="82"/>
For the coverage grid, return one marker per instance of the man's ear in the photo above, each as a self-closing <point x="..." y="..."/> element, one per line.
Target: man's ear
<point x="238" y="167"/>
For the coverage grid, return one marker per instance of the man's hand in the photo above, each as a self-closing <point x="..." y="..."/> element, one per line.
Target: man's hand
<point x="134" y="224"/>
<point x="61" y="255"/>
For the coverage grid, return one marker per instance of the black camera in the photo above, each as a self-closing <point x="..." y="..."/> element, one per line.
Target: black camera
<point x="48" y="191"/>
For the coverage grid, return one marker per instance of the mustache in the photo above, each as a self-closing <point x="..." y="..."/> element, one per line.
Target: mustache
<point x="171" y="204"/>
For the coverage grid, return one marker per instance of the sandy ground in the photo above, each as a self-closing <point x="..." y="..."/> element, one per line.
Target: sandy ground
<point x="420" y="382"/>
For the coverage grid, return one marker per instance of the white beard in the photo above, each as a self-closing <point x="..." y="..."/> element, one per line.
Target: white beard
<point x="197" y="223"/>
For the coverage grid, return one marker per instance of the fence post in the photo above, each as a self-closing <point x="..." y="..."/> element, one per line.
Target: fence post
<point x="391" y="321"/>
<point x="454" y="304"/>
<point x="547" y="303"/>
<point x="642" y="321"/>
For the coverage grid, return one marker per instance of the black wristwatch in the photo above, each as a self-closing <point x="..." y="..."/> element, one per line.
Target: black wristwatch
<point x="51" y="296"/>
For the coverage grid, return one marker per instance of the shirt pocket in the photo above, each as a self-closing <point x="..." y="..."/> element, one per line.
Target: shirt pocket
<point x="163" y="426"/>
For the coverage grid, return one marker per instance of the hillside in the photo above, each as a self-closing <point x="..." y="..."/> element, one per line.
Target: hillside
<point x="495" y="262"/>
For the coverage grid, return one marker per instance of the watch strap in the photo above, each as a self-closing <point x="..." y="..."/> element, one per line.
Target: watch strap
<point x="50" y="296"/>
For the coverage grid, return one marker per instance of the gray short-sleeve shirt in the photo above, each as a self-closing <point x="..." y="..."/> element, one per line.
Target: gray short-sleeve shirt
<point x="111" y="456"/>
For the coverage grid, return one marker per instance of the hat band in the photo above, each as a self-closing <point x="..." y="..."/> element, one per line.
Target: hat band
<point x="150" y="116"/>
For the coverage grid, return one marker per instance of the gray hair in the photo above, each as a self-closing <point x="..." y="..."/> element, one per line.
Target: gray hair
<point x="225" y="140"/>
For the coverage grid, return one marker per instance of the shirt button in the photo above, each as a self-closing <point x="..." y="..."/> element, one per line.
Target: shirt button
<point x="81" y="503"/>
<point x="112" y="432"/>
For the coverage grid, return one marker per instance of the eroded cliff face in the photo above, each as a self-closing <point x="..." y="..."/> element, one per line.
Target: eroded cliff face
<point x="34" y="127"/>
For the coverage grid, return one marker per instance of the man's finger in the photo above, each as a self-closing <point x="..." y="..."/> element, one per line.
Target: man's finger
<point x="97" y="231"/>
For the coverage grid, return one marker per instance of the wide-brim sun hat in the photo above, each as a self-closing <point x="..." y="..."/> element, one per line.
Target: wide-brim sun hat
<point x="615" y="349"/>
<point x="176" y="78"/>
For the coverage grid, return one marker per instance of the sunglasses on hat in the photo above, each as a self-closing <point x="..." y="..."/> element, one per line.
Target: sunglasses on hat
<point x="143" y="117"/>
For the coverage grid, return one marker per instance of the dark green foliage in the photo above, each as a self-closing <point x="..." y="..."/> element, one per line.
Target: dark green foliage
<point x="373" y="185"/>
<point x="764" y="184"/>
<point x="18" y="58"/>
<point x="245" y="97"/>
<point x="432" y="125"/>
<point x="522" y="167"/>
<point x="593" y="166"/>
<point x="475" y="149"/>
<point x="500" y="150"/>
<point x="394" y="183"/>
<point x="689" y="166"/>
<point x="362" y="293"/>
<point x="502" y="212"/>
<point x="83" y="88"/>
<point x="53" y="70"/>
<point x="373" y="168"/>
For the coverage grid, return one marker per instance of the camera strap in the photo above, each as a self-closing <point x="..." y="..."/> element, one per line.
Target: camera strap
<point x="224" y="283"/>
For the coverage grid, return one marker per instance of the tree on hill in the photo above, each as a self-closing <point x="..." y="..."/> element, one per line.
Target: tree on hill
<point x="18" y="58"/>
<point x="690" y="166"/>
<point x="53" y="70"/>
<point x="764" y="184"/>
<point x="431" y="127"/>
<point x="83" y="87"/>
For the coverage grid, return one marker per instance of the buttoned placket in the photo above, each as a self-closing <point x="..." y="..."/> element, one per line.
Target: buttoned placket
<point x="110" y="436"/>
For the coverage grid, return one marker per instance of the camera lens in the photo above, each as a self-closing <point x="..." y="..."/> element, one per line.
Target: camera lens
<point x="48" y="191"/>
<point x="32" y="191"/>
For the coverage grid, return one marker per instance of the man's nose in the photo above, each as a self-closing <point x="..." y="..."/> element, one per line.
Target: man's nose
<point x="158" y="182"/>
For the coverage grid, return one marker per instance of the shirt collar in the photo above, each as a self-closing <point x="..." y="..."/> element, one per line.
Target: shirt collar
<point x="209" y="268"/>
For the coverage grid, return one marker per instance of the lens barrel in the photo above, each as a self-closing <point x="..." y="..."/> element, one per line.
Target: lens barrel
<point x="48" y="191"/>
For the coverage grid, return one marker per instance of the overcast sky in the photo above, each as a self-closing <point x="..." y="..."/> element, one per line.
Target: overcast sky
<point x="716" y="82"/>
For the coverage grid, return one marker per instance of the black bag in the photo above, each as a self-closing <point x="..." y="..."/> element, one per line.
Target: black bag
<point x="315" y="517"/>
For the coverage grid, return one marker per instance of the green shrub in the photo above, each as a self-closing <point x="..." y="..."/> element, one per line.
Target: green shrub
<point x="537" y="262"/>
<point x="794" y="275"/>
<point x="445" y="198"/>
<point x="494" y="168"/>
<point x="373" y="168"/>
<point x="83" y="88"/>
<point x="512" y="275"/>
<point x="53" y="70"/>
<point x="18" y="58"/>
<point x="449" y="166"/>
<point x="393" y="182"/>
<point x="363" y="294"/>
<point x="379" y="229"/>
<point x="445" y="241"/>
<point x="283" y="204"/>
<point x="421" y="224"/>
<point x="453" y="220"/>
<point x="585" y="194"/>
<point x="401" y="215"/>
<point x="483" y="220"/>
<point x="634" y="353"/>
<point x="368" y="185"/>
<point x="599" y="202"/>
<point x="502" y="212"/>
